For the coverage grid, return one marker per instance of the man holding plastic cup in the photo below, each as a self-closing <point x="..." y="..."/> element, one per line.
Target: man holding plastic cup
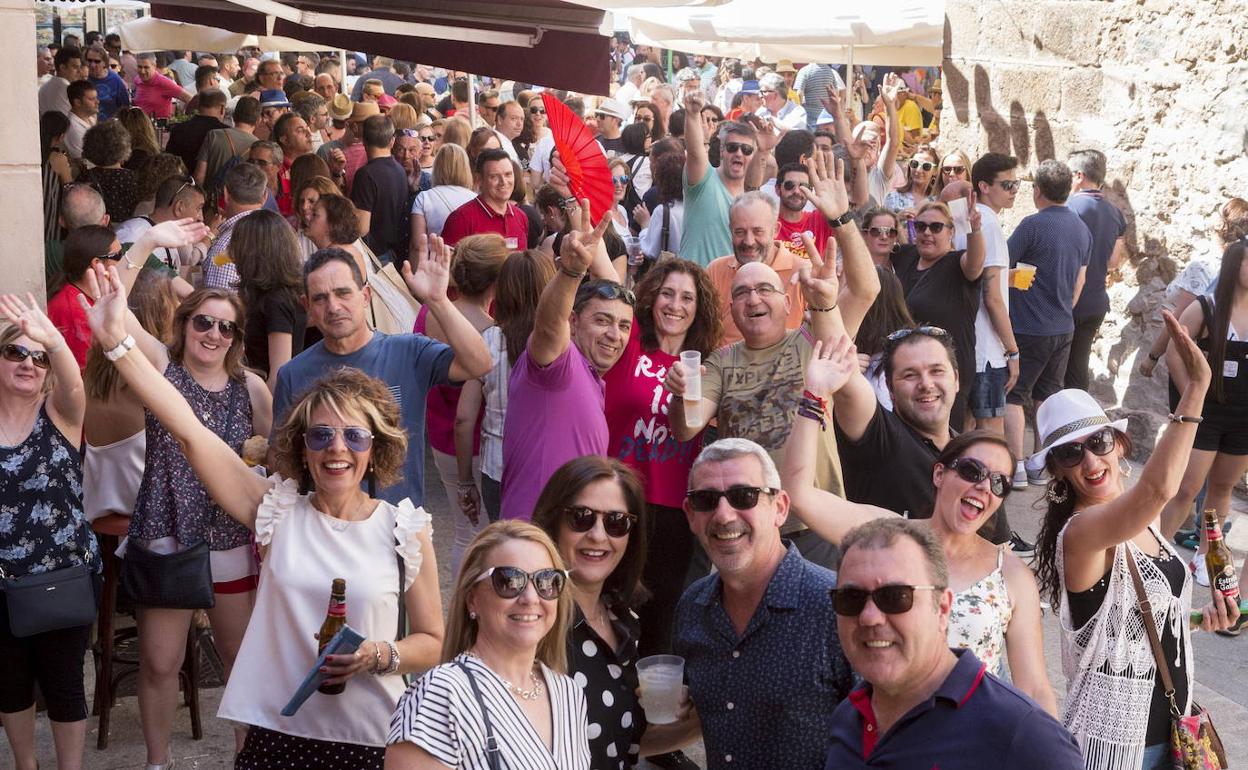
<point x="762" y="659"/>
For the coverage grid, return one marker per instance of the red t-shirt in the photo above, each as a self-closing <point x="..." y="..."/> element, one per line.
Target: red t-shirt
<point x="475" y="217"/>
<point x="155" y="97"/>
<point x="813" y="222"/>
<point x="641" y="436"/>
<point x="441" y="404"/>
<point x="68" y="316"/>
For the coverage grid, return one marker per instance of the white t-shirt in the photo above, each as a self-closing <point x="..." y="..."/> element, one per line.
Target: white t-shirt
<point x="988" y="346"/>
<point x="437" y="203"/>
<point x="539" y="156"/>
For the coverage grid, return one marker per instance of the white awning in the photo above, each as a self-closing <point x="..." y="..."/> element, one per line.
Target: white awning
<point x="152" y="34"/>
<point x="884" y="32"/>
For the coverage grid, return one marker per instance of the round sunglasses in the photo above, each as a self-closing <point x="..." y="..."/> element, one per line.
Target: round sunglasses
<point x="318" y="438"/>
<point x="889" y="599"/>
<point x="971" y="470"/>
<point x="19" y="353"/>
<point x="740" y="498"/>
<point x="581" y="518"/>
<point x="204" y="323"/>
<point x="922" y="165"/>
<point x="1069" y="455"/>
<point x="510" y="582"/>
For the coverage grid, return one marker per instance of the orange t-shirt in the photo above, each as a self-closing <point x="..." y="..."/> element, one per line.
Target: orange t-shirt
<point x="723" y="270"/>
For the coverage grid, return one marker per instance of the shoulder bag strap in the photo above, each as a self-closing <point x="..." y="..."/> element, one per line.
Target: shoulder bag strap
<point x="667" y="225"/>
<point x="1146" y="609"/>
<point x="491" y="742"/>
<point x="1206" y="313"/>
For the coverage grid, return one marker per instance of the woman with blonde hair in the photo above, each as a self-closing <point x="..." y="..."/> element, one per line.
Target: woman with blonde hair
<point x="143" y="144"/>
<point x="456" y="130"/>
<point x="306" y="196"/>
<point x="920" y="184"/>
<point x="954" y="167"/>
<point x="404" y="115"/>
<point x="502" y="680"/>
<point x="452" y="188"/>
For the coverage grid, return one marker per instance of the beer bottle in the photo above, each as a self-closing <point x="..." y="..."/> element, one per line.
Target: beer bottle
<point x="1218" y="559"/>
<point x="335" y="619"/>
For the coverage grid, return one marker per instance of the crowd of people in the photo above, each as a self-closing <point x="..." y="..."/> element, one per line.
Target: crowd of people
<point x="763" y="414"/>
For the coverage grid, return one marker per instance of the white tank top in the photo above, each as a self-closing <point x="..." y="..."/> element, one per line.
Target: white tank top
<point x="111" y="475"/>
<point x="307" y="550"/>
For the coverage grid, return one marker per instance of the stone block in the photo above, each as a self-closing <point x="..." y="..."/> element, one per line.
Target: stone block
<point x="1081" y="92"/>
<point x="1035" y="88"/>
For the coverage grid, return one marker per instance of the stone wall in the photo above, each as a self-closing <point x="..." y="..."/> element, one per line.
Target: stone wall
<point x="1159" y="86"/>
<point x="21" y="196"/>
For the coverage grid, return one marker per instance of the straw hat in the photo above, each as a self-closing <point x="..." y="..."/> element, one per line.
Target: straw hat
<point x="363" y="111"/>
<point x="340" y="107"/>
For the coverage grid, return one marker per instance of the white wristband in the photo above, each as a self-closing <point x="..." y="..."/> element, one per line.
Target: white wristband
<point x="123" y="347"/>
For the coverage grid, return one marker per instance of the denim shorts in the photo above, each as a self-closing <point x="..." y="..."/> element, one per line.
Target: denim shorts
<point x="987" y="397"/>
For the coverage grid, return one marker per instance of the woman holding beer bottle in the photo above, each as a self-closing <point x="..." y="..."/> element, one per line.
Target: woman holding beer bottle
<point x="314" y="523"/>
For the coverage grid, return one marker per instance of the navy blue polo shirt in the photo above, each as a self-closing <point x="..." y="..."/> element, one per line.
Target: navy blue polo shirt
<point x="765" y="698"/>
<point x="974" y="721"/>
<point x="1058" y="243"/>
<point x="1106" y="224"/>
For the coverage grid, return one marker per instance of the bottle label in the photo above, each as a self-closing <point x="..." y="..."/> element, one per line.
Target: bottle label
<point x="337" y="609"/>
<point x="1213" y="533"/>
<point x="1225" y="583"/>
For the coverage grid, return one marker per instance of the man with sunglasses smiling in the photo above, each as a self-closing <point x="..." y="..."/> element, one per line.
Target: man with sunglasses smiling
<point x="111" y="90"/>
<point x="709" y="191"/>
<point x="923" y="704"/>
<point x="762" y="659"/>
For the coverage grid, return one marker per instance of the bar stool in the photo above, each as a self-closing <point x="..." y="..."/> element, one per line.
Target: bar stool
<point x="119" y="647"/>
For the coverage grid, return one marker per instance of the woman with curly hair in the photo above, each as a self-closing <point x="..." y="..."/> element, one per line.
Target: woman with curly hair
<point x="313" y="521"/>
<point x="157" y="169"/>
<point x="107" y="146"/>
<point x="677" y="310"/>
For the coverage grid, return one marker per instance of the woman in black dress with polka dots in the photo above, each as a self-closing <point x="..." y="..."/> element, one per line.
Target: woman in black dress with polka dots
<point x="594" y="510"/>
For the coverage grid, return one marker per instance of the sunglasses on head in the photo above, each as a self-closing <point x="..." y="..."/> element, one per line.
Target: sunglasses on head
<point x="1009" y="185"/>
<point x="509" y="582"/>
<point x="922" y="165"/>
<point x="954" y="169"/>
<point x="318" y="438"/>
<point x="935" y="227"/>
<point x="925" y="330"/>
<point x="973" y="471"/>
<point x="740" y="498"/>
<point x="616" y="291"/>
<point x="890" y="599"/>
<point x="1069" y="455"/>
<point x="19" y="353"/>
<point x="581" y="518"/>
<point x="881" y="232"/>
<point x="789" y="185"/>
<point x="745" y="149"/>
<point x="203" y="324"/>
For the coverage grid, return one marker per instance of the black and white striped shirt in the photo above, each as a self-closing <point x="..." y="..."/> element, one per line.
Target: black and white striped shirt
<point x="440" y="714"/>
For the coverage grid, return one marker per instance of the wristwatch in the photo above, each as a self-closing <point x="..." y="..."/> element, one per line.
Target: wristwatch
<point x="1153" y="358"/>
<point x="123" y="347"/>
<point x="843" y="219"/>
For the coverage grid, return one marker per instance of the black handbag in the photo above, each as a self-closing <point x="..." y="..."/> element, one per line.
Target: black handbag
<point x="50" y="601"/>
<point x="181" y="580"/>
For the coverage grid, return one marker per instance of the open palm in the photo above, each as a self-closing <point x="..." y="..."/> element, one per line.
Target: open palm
<point x="831" y="366"/>
<point x="107" y="317"/>
<point x="429" y="281"/>
<point x="32" y="321"/>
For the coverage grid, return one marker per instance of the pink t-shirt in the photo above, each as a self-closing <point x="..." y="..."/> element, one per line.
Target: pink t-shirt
<point x="641" y="436"/>
<point x="155" y="96"/>
<point x="441" y="405"/>
<point x="554" y="414"/>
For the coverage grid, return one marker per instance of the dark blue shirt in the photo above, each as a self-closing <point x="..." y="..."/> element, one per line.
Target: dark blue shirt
<point x="766" y="698"/>
<point x="973" y="721"/>
<point x="1058" y="243"/>
<point x="113" y="94"/>
<point x="1106" y="224"/>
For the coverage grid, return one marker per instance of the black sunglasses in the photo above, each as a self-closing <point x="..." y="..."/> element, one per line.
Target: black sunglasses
<point x="318" y="438"/>
<point x="203" y="323"/>
<point x="974" y="471"/>
<point x="536" y="111"/>
<point x="935" y="227"/>
<point x="789" y="185"/>
<point x="890" y="599"/>
<point x="925" y="330"/>
<point x="745" y="149"/>
<point x="922" y="165"/>
<point x="1009" y="185"/>
<point x="581" y="518"/>
<point x="19" y="353"/>
<point x="426" y="138"/>
<point x="1069" y="455"/>
<point x="740" y="498"/>
<point x="616" y="291"/>
<point x="113" y="256"/>
<point x="954" y="169"/>
<point x="509" y="582"/>
<point x="880" y="232"/>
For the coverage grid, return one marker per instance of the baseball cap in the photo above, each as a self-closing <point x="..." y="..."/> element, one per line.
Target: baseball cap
<point x="750" y="87"/>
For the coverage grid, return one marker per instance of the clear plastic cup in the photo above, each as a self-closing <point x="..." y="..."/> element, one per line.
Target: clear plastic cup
<point x="662" y="679"/>
<point x="632" y="244"/>
<point x="691" y="364"/>
<point x="1024" y="275"/>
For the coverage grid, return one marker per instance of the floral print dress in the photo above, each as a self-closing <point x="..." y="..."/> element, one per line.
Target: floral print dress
<point x="980" y="616"/>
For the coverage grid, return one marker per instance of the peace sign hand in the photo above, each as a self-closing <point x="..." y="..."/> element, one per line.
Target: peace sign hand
<point x="973" y="217"/>
<point x="576" y="252"/>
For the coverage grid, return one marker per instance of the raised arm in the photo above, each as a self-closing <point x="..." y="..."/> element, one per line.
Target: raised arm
<point x="854" y="405"/>
<point x="229" y="481"/>
<point x="428" y="284"/>
<point x="697" y="164"/>
<point x="1104" y="526"/>
<point x="862" y="284"/>
<point x="892" y="142"/>
<point x="551" y="333"/>
<point x="820" y="289"/>
<point x="68" y="403"/>
<point x="828" y="515"/>
<point x="579" y="214"/>
<point x="973" y="258"/>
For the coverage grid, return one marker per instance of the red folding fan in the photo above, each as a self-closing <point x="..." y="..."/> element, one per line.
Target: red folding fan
<point x="582" y="156"/>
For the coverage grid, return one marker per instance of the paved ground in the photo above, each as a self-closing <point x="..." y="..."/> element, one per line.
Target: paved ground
<point x="1222" y="673"/>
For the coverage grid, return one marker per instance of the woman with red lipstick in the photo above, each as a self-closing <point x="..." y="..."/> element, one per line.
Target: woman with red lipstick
<point x="314" y="522"/>
<point x="1094" y="528"/>
<point x="996" y="606"/>
<point x="594" y="510"/>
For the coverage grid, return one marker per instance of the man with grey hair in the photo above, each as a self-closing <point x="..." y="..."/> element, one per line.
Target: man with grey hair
<point x="153" y="92"/>
<point x="923" y="704"/>
<point x="762" y="659"/>
<point x="1108" y="227"/>
<point x="776" y="105"/>
<point x="631" y="88"/>
<point x="81" y="205"/>
<point x="44" y="64"/>
<point x="246" y="190"/>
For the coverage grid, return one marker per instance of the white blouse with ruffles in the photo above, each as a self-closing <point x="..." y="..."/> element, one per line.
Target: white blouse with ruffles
<point x="306" y="551"/>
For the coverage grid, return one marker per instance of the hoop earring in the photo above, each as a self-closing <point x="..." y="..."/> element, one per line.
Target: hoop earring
<point x="1124" y="468"/>
<point x="1058" y="492"/>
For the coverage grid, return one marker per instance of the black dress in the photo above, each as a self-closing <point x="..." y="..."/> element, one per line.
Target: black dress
<point x="119" y="187"/>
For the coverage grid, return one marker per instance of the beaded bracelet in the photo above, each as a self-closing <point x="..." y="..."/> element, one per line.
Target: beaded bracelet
<point x="810" y="410"/>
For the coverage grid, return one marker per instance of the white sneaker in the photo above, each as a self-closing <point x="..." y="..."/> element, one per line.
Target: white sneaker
<point x="1200" y="572"/>
<point x="1020" y="477"/>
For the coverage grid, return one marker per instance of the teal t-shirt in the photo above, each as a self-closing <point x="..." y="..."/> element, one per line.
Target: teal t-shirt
<point x="705" y="235"/>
